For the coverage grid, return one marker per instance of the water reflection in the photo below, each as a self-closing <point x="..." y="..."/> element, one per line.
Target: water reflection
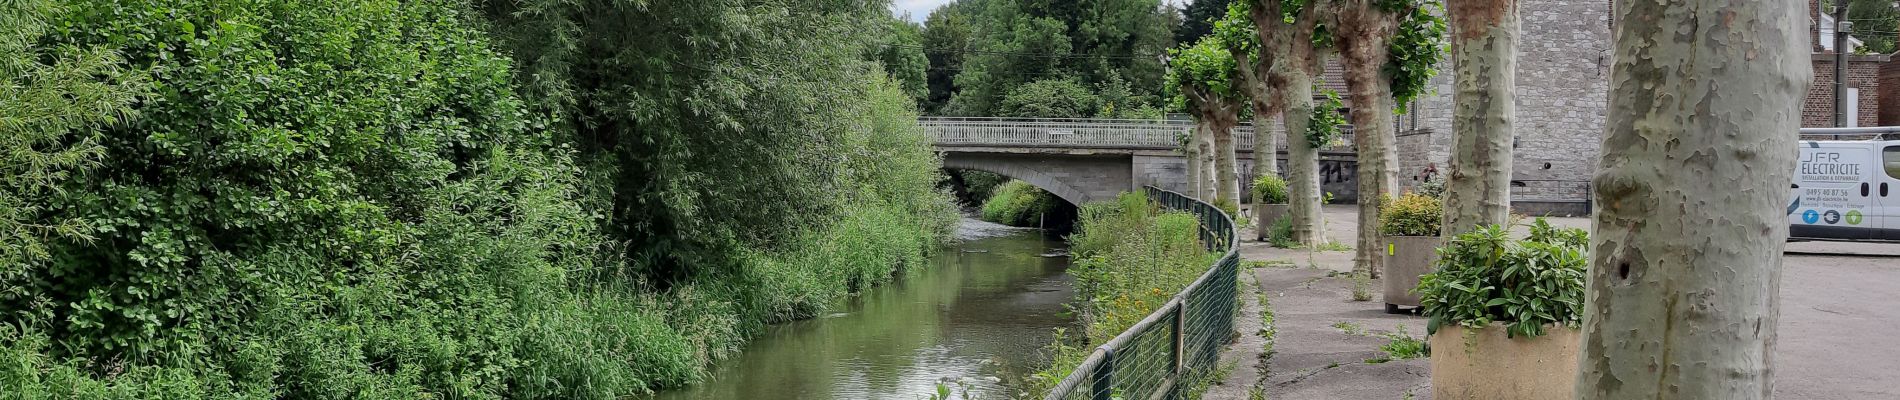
<point x="980" y="313"/>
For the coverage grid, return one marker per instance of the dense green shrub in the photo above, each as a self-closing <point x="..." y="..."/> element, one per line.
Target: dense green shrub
<point x="1411" y="214"/>
<point x="1130" y="258"/>
<point x="1433" y="188"/>
<point x="1269" y="189"/>
<point x="51" y="100"/>
<point x="979" y="185"/>
<point x="349" y="200"/>
<point x="1050" y="98"/>
<point x="1483" y="277"/>
<point x="1018" y="203"/>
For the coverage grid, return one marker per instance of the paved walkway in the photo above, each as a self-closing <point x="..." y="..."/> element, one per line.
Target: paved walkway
<point x="1321" y="339"/>
<point x="1837" y="317"/>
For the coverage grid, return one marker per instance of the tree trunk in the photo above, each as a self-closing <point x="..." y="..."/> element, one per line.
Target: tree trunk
<point x="1194" y="168"/>
<point x="1294" y="60"/>
<point x="1365" y="57"/>
<point x="1226" y="164"/>
<point x="1266" y="146"/>
<point x="1210" y="183"/>
<point x="1302" y="160"/>
<point x="1484" y="68"/>
<point x="1699" y="148"/>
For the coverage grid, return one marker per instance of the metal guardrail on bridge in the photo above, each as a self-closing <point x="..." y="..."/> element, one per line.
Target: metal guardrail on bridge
<point x="1087" y="133"/>
<point x="1178" y="344"/>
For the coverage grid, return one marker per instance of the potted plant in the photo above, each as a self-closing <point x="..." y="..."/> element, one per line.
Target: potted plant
<point x="1409" y="226"/>
<point x="1504" y="314"/>
<point x="1269" y="196"/>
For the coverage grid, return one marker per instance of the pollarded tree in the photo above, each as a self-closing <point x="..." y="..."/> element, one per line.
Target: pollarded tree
<point x="1205" y="74"/>
<point x="1705" y="98"/>
<point x="1388" y="49"/>
<point x="1294" y="51"/>
<point x="1484" y="76"/>
<point x="1238" y="32"/>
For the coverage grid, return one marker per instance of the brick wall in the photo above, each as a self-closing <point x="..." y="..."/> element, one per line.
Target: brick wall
<point x="1863" y="72"/>
<point x="1890" y="93"/>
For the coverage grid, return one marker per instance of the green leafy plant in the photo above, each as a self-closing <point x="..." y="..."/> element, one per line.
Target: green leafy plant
<point x="1434" y="188"/>
<point x="1270" y="189"/>
<point x="1281" y="234"/>
<point x="1412" y="214"/>
<point x="1018" y="203"/>
<point x="1324" y="128"/>
<point x="1484" y="276"/>
<point x="1400" y="346"/>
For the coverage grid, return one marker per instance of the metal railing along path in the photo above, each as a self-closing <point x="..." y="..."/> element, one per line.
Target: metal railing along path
<point x="1086" y="133"/>
<point x="1178" y="344"/>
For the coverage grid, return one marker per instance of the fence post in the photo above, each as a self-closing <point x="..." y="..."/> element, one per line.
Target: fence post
<point x="1104" y="376"/>
<point x="1180" y="332"/>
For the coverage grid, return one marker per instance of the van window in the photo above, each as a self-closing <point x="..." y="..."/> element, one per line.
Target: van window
<point x="1892" y="161"/>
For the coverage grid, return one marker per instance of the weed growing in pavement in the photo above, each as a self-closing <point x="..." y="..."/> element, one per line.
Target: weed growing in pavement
<point x="1361" y="287"/>
<point x="1401" y="347"/>
<point x="1332" y="246"/>
<point x="1349" y="328"/>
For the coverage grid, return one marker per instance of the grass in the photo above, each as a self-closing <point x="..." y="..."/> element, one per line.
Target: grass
<point x="1349" y="328"/>
<point x="1130" y="258"/>
<point x="1332" y="245"/>
<point x="1401" y="346"/>
<point x="1361" y="287"/>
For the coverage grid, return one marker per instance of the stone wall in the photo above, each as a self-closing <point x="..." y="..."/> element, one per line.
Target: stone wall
<point x="1078" y="179"/>
<point x="1562" y="95"/>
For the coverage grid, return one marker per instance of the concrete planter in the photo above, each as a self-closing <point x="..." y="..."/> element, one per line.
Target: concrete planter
<point x="1406" y="259"/>
<point x="1263" y="217"/>
<point x="1484" y="364"/>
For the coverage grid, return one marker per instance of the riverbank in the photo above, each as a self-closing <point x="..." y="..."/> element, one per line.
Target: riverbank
<point x="975" y="317"/>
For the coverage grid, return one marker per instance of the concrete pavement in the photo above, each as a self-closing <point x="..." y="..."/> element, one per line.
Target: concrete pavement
<point x="1840" y="318"/>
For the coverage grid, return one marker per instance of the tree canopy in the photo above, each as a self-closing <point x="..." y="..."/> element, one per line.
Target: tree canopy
<point x="1107" y="46"/>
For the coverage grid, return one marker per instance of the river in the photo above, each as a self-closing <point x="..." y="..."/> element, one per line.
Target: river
<point x="980" y="315"/>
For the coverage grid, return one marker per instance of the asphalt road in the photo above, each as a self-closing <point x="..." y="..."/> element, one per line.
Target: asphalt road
<point x="1840" y="320"/>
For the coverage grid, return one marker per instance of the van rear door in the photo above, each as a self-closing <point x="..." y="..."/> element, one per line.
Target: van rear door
<point x="1834" y="192"/>
<point x="1887" y="192"/>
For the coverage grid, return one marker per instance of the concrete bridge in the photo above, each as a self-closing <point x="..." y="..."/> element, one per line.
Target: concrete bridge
<point x="1085" y="160"/>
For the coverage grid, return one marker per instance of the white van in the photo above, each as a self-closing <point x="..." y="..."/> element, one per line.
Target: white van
<point x="1846" y="190"/>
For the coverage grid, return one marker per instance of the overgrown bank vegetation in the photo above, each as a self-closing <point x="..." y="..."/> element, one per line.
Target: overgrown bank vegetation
<point x="426" y="199"/>
<point x="1019" y="203"/>
<point x="1130" y="257"/>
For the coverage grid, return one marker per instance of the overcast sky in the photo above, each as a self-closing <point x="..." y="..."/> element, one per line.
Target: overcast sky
<point x="919" y="9"/>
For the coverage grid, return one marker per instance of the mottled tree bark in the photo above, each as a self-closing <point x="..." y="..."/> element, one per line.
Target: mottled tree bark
<point x="1364" y="31"/>
<point x="1253" y="77"/>
<point x="1289" y="76"/>
<point x="1484" y="114"/>
<point x="1194" y="168"/>
<point x="1302" y="158"/>
<point x="1210" y="183"/>
<point x="1226" y="165"/>
<point x="1699" y="148"/>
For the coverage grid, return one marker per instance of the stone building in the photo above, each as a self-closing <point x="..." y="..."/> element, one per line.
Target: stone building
<point x="1562" y="94"/>
<point x="1562" y="97"/>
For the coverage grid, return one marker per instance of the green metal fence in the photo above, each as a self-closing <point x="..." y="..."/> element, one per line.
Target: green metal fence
<point x="1178" y="344"/>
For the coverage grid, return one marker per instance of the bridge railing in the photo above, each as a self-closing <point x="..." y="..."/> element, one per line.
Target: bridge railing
<point x="1178" y="344"/>
<point x="1090" y="133"/>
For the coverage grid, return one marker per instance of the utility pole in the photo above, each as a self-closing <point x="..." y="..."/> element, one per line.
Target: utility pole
<point x="1840" y="63"/>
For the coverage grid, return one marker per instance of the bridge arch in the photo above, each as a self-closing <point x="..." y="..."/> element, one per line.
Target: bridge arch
<point x="1020" y="172"/>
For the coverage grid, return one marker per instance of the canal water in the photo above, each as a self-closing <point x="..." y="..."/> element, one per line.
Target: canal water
<point x="980" y="315"/>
